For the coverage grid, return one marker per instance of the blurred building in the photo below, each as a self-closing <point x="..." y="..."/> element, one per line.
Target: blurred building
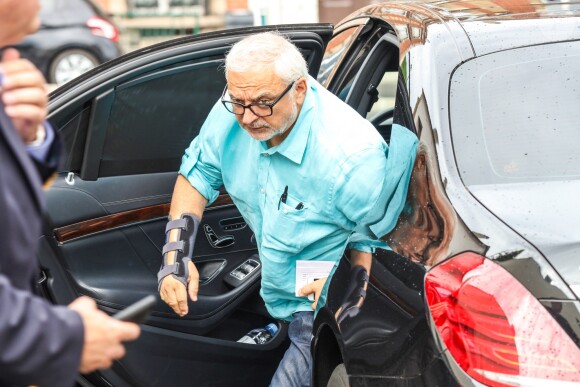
<point x="263" y="11"/>
<point x="333" y="11"/>
<point x="143" y="22"/>
<point x="284" y="12"/>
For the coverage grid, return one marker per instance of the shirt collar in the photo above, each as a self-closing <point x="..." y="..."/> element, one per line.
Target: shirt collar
<point x="294" y="146"/>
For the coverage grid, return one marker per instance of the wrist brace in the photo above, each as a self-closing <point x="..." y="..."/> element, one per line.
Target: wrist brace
<point x="187" y="225"/>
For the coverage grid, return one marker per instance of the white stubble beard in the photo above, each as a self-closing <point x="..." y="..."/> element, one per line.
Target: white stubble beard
<point x="272" y="132"/>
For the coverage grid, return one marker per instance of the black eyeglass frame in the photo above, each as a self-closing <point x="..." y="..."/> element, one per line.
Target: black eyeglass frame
<point x="249" y="106"/>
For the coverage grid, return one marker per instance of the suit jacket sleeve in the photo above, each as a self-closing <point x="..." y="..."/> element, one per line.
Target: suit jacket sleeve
<point x="40" y="343"/>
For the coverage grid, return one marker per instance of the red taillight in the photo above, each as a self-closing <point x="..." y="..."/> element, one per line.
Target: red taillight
<point x="496" y="331"/>
<point x="102" y="27"/>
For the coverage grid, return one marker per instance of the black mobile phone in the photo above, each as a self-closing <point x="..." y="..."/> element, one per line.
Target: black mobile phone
<point x="138" y="311"/>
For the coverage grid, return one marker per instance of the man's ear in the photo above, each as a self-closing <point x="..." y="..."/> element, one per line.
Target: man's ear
<point x="301" y="87"/>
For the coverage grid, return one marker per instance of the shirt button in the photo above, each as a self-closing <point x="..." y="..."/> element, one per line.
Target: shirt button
<point x="262" y="190"/>
<point x="285" y="211"/>
<point x="265" y="154"/>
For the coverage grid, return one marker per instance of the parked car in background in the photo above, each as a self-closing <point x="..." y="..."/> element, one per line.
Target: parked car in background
<point x="75" y="36"/>
<point x="481" y="285"/>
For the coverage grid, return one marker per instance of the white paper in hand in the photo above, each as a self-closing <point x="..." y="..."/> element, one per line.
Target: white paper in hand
<point x="310" y="271"/>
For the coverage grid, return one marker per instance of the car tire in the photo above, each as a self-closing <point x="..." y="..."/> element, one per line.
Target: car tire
<point x="339" y="377"/>
<point x="69" y="64"/>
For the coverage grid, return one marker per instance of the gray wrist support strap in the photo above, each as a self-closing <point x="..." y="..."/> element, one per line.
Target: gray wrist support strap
<point x="187" y="225"/>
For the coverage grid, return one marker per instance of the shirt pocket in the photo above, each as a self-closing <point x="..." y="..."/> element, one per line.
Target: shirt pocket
<point x="284" y="228"/>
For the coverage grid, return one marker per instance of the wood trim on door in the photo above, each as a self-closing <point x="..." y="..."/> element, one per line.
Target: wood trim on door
<point x="122" y="219"/>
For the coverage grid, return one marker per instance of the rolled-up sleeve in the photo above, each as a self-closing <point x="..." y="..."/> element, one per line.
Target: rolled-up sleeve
<point x="374" y="190"/>
<point x="382" y="217"/>
<point x="357" y="191"/>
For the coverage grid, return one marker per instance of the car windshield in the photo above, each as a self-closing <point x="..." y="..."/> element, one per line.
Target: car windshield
<point x="515" y="116"/>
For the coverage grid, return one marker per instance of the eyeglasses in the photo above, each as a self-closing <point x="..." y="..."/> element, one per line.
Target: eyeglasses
<point x="259" y="109"/>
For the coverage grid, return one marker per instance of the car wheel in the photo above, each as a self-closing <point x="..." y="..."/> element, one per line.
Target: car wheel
<point x="69" y="64"/>
<point x="339" y="377"/>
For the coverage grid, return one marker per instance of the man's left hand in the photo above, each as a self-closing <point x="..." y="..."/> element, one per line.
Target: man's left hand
<point x="24" y="94"/>
<point x="313" y="288"/>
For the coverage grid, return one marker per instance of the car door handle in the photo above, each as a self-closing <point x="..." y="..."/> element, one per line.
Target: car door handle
<point x="218" y="242"/>
<point x="208" y="270"/>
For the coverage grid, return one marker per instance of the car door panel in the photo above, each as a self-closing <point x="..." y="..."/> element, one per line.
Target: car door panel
<point x="125" y="128"/>
<point x="130" y="242"/>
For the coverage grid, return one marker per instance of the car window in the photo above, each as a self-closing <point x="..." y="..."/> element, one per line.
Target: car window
<point x="515" y="116"/>
<point x="342" y="83"/>
<point x="349" y="77"/>
<point x="364" y="72"/>
<point x="153" y="119"/>
<point x="371" y="83"/>
<point x="386" y="92"/>
<point x="335" y="49"/>
<point x="141" y="121"/>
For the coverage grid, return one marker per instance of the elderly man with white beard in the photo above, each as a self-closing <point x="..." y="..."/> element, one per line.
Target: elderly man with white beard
<point x="303" y="168"/>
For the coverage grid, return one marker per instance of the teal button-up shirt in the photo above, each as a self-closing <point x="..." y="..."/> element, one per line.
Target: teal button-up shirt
<point x="334" y="165"/>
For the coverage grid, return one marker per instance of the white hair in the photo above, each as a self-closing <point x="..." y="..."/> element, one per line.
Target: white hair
<point x="267" y="50"/>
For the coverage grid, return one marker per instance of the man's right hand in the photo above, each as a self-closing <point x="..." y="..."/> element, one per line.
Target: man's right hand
<point x="103" y="337"/>
<point x="174" y="293"/>
<point x="24" y="94"/>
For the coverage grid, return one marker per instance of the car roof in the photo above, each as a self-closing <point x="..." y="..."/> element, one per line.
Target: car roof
<point x="490" y="26"/>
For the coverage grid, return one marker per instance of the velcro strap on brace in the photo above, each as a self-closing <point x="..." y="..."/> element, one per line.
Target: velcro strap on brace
<point x="177" y="223"/>
<point x="188" y="225"/>
<point x="173" y="246"/>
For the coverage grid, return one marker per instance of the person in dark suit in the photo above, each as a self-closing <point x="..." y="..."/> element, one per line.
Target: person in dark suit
<point x="40" y="343"/>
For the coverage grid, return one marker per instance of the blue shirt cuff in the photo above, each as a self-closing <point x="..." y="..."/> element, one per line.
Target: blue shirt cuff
<point x="361" y="247"/>
<point x="40" y="152"/>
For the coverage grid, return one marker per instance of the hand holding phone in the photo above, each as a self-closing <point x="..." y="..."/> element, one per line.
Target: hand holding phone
<point x="138" y="311"/>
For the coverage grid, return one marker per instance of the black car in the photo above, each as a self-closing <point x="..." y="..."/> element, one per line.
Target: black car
<point x="74" y="36"/>
<point x="481" y="283"/>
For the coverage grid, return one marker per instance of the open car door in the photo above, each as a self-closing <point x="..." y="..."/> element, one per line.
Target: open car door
<point x="125" y="126"/>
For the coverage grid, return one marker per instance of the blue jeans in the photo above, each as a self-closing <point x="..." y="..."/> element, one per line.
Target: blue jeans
<point x="295" y="368"/>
